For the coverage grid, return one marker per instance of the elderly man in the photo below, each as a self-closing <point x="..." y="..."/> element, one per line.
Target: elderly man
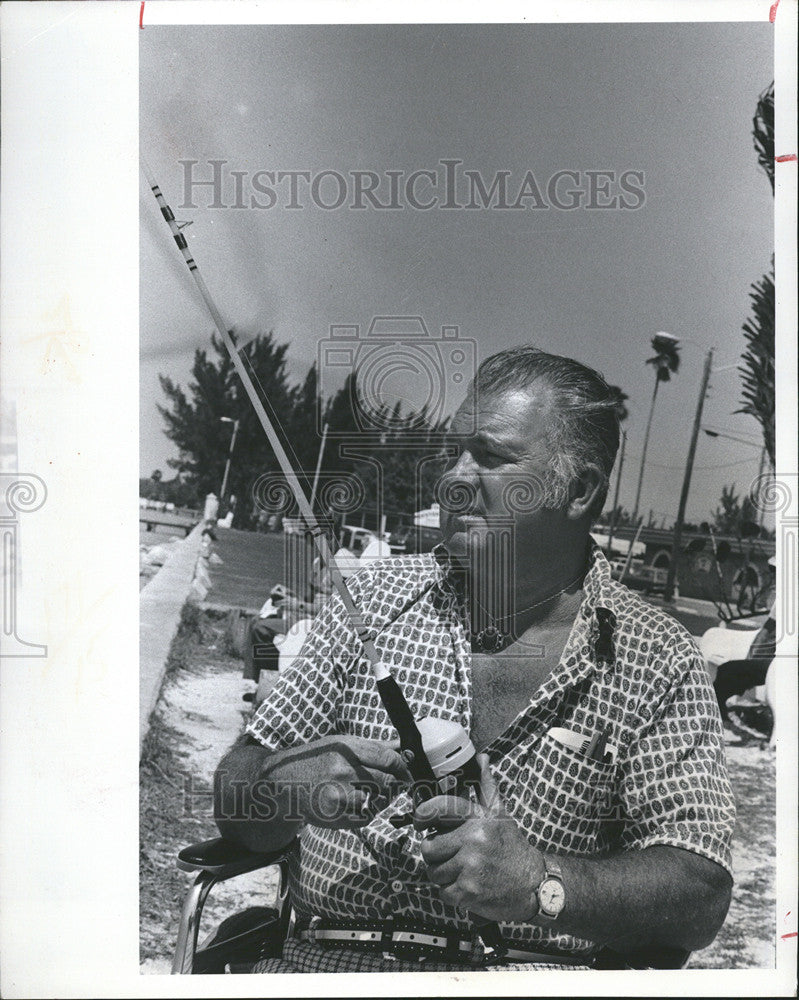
<point x="607" y="813"/>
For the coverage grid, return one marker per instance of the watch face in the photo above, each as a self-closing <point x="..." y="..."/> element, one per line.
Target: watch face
<point x="551" y="896"/>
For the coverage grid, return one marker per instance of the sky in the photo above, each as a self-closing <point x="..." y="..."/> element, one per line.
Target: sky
<point x="673" y="102"/>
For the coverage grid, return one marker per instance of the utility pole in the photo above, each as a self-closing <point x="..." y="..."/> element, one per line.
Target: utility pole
<point x="614" y="515"/>
<point x="643" y="453"/>
<point x="318" y="465"/>
<point x="760" y="506"/>
<point x="228" y="420"/>
<point x="686" y="483"/>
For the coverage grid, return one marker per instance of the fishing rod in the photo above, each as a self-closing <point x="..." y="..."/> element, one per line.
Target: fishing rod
<point x="440" y="755"/>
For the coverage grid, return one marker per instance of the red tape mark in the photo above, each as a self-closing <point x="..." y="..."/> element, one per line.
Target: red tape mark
<point x="788" y="158"/>
<point x="786" y="936"/>
<point x="141" y="13"/>
<point x="772" y="14"/>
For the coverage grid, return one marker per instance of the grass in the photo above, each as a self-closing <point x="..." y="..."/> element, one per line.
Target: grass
<point x="252" y="563"/>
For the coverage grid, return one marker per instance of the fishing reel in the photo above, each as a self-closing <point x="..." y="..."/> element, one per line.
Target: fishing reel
<point x="451" y="755"/>
<point x="452" y="759"/>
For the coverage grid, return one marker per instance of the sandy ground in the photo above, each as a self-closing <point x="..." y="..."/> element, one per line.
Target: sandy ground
<point x="200" y="714"/>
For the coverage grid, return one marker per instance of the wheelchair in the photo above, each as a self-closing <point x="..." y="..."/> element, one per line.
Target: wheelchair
<point x="243" y="939"/>
<point x="257" y="933"/>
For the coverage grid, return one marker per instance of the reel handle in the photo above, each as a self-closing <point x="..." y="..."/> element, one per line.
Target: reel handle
<point x="453" y="759"/>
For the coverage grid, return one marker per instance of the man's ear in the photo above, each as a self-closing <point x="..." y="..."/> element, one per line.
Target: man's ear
<point x="583" y="492"/>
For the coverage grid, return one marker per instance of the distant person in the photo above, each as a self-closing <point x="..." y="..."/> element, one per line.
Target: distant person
<point x="735" y="677"/>
<point x="260" y="652"/>
<point x="202" y="583"/>
<point x="746" y="582"/>
<point x="211" y="507"/>
<point x="265" y="635"/>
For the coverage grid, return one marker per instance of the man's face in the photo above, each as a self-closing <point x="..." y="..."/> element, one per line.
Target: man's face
<point x="502" y="464"/>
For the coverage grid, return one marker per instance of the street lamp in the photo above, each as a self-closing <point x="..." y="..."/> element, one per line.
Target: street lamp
<point x="228" y="420"/>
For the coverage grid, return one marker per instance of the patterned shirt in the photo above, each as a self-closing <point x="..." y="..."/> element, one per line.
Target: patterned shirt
<point x="625" y="663"/>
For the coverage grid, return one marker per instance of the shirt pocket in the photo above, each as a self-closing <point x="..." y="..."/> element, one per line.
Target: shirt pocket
<point x="569" y="800"/>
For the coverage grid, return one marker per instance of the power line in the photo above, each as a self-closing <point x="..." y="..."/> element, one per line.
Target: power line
<point x="722" y="465"/>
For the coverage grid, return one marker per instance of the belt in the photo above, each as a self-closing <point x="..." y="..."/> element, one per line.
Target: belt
<point x="414" y="941"/>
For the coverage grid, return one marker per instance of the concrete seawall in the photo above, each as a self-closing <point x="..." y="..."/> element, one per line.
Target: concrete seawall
<point x="160" y="604"/>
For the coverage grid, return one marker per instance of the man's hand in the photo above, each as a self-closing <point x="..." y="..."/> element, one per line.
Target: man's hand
<point x="658" y="898"/>
<point x="482" y="862"/>
<point x="338" y="781"/>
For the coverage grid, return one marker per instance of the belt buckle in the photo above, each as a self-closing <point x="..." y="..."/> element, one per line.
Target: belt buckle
<point x="482" y="954"/>
<point x="386" y="942"/>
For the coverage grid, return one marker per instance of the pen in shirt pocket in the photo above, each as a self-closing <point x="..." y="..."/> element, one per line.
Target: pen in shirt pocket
<point x="592" y="747"/>
<point x="598" y="749"/>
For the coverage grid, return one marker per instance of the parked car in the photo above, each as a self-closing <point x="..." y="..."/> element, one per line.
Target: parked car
<point x="639" y="576"/>
<point x="356" y="539"/>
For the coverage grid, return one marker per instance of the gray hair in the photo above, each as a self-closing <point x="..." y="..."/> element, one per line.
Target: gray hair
<point x="584" y="422"/>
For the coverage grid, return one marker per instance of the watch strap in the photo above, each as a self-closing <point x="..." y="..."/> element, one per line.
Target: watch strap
<point x="553" y="868"/>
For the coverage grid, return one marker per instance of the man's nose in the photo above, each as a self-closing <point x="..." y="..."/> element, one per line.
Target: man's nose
<point x="458" y="489"/>
<point x="465" y="467"/>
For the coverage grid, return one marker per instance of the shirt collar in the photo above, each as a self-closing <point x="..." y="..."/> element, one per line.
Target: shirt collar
<point x="602" y="603"/>
<point x="600" y="589"/>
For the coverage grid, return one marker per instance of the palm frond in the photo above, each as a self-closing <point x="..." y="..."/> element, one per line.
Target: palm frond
<point x="666" y="360"/>
<point x="620" y="398"/>
<point x="763" y="132"/>
<point x="757" y="361"/>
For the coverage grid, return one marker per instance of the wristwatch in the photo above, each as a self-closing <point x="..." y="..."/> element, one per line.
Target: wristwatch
<point x="550" y="893"/>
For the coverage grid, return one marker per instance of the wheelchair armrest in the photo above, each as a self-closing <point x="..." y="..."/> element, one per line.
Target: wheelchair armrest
<point x="216" y="861"/>
<point x="225" y="859"/>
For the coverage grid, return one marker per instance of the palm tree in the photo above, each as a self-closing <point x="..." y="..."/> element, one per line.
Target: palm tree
<point x="620" y="402"/>
<point x="666" y="363"/>
<point x="763" y="132"/>
<point x="757" y="368"/>
<point x="757" y="361"/>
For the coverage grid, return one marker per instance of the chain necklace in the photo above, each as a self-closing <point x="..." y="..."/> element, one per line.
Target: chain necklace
<point x="490" y="638"/>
